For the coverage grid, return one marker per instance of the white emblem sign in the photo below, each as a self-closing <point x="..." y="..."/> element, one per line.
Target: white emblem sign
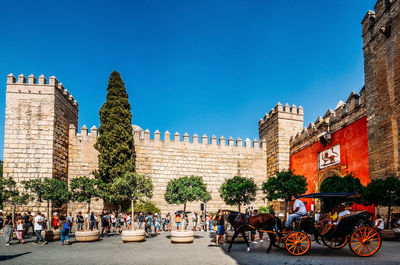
<point x="329" y="157"/>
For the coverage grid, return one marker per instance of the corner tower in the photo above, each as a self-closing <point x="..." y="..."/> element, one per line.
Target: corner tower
<point x="276" y="129"/>
<point x="38" y="115"/>
<point x="381" y="37"/>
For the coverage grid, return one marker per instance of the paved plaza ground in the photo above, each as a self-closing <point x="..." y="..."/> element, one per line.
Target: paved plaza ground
<point x="111" y="250"/>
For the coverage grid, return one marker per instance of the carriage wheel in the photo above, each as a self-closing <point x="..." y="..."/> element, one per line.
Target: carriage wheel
<point x="365" y="241"/>
<point x="297" y="243"/>
<point x="335" y="242"/>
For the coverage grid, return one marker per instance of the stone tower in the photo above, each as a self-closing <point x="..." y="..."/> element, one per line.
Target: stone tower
<point x="381" y="36"/>
<point x="38" y="116"/>
<point x="276" y="129"/>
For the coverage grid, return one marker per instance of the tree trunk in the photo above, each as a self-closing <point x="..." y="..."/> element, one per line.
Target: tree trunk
<point x="183" y="217"/>
<point x="239" y="207"/>
<point x="13" y="216"/>
<point x="48" y="215"/>
<point x="133" y="210"/>
<point x="88" y="208"/>
<point x="286" y="210"/>
<point x="389" y="213"/>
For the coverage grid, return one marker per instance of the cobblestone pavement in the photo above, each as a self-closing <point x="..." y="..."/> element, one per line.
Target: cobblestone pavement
<point x="111" y="250"/>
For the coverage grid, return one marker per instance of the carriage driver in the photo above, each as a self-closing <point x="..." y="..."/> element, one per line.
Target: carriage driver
<point x="299" y="210"/>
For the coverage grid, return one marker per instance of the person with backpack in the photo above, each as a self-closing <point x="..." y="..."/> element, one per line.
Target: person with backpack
<point x="104" y="224"/>
<point x="79" y="221"/>
<point x="65" y="228"/>
<point x="92" y="223"/>
<point x="70" y="220"/>
<point x="140" y="220"/>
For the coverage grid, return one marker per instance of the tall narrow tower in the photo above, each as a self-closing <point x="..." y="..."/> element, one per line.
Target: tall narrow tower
<point x="275" y="129"/>
<point x="381" y="36"/>
<point x="38" y="115"/>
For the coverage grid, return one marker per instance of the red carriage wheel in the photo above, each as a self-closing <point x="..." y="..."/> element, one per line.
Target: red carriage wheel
<point x="297" y="243"/>
<point x="365" y="241"/>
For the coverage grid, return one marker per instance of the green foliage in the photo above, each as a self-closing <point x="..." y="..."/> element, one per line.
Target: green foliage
<point x="10" y="194"/>
<point x="146" y="207"/>
<point x="115" y="142"/>
<point x="384" y="192"/>
<point x="83" y="189"/>
<point x="346" y="184"/>
<point x="50" y="190"/>
<point x="238" y="190"/>
<point x="284" y="185"/>
<point x="266" y="209"/>
<point x="131" y="186"/>
<point x="186" y="189"/>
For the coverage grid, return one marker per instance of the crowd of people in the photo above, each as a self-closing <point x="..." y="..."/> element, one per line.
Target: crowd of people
<point x="35" y="225"/>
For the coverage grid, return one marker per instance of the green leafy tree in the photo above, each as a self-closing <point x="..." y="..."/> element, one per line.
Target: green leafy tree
<point x="186" y="189"/>
<point x="133" y="187"/>
<point x="283" y="186"/>
<point x="384" y="192"/>
<point x="83" y="189"/>
<point x="346" y="184"/>
<point x="146" y="207"/>
<point x="115" y="142"/>
<point x="10" y="194"/>
<point x="53" y="191"/>
<point x="238" y="191"/>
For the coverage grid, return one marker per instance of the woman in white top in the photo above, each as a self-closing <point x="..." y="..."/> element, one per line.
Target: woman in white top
<point x="19" y="222"/>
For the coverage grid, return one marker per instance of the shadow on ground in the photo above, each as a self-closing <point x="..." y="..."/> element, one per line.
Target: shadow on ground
<point x="8" y="257"/>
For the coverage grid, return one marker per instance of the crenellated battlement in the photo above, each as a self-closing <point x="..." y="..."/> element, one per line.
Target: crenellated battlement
<point x="85" y="133"/>
<point x="143" y="137"/>
<point x="286" y="111"/>
<point x="40" y="86"/>
<point x="378" y="24"/>
<point x="333" y="120"/>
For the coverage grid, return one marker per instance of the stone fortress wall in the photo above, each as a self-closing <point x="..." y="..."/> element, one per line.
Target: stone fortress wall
<point x="38" y="114"/>
<point x="381" y="36"/>
<point x="333" y="120"/>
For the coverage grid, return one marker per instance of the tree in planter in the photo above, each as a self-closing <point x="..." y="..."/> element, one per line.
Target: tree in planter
<point x="186" y="189"/>
<point x="49" y="190"/>
<point x="10" y="194"/>
<point x="283" y="186"/>
<point x="384" y="192"/>
<point x="83" y="189"/>
<point x="133" y="187"/>
<point x="238" y="191"/>
<point x="115" y="142"/>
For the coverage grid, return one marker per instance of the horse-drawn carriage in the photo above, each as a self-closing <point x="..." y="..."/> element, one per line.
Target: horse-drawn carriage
<point x="354" y="229"/>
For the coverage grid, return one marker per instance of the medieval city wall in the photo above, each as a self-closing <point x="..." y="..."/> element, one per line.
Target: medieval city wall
<point x="162" y="160"/>
<point x="276" y="129"/>
<point x="35" y="144"/>
<point x="381" y="36"/>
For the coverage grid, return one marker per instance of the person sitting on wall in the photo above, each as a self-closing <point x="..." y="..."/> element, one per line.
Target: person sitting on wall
<point x="299" y="210"/>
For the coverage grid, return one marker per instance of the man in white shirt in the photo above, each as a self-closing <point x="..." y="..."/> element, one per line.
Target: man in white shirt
<point x="38" y="227"/>
<point x="299" y="210"/>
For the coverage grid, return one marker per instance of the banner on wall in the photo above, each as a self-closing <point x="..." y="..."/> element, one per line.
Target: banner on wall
<point x="329" y="157"/>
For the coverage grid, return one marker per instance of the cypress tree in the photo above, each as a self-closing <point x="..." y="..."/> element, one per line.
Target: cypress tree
<point x="115" y="142"/>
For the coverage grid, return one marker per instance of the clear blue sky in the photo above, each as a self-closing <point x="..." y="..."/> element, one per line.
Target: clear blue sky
<point x="213" y="67"/>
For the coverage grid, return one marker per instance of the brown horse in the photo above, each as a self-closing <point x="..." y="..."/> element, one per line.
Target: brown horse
<point x="241" y="224"/>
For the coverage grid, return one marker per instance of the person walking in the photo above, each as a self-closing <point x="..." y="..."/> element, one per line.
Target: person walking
<point x="8" y="229"/>
<point x="65" y="228"/>
<point x="79" y="221"/>
<point x="149" y="221"/>
<point x="156" y="224"/>
<point x="195" y="219"/>
<point x="186" y="221"/>
<point x="38" y="227"/>
<point x="70" y="220"/>
<point x="220" y="228"/>
<point x="104" y="224"/>
<point x="140" y="220"/>
<point x="169" y="222"/>
<point x="92" y="221"/>
<point x="19" y="224"/>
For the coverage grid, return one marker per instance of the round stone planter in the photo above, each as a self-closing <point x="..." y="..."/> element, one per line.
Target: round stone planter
<point x="51" y="235"/>
<point x="133" y="236"/>
<point x="87" y="236"/>
<point x="239" y="239"/>
<point x="182" y="236"/>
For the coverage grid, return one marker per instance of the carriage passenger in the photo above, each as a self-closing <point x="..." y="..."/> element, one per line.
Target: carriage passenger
<point x="334" y="222"/>
<point x="299" y="210"/>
